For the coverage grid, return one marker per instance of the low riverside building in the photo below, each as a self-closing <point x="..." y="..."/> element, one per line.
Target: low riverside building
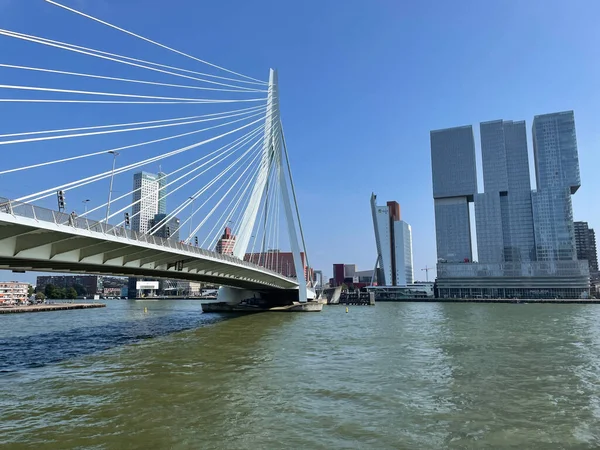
<point x="13" y="291"/>
<point x="533" y="280"/>
<point x="85" y="285"/>
<point x="415" y="291"/>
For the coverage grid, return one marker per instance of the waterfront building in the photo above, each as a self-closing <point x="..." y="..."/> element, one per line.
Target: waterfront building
<point x="338" y="274"/>
<point x="347" y="274"/>
<point x="349" y="271"/>
<point x="13" y="291"/>
<point x="85" y="285"/>
<point x="413" y="291"/>
<point x="226" y="244"/>
<point x="525" y="238"/>
<point x="181" y="288"/>
<point x="393" y="238"/>
<point x="454" y="176"/>
<point x="148" y="199"/>
<point x="585" y="243"/>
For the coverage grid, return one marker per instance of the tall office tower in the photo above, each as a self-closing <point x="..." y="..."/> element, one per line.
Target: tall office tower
<point x="585" y="243"/>
<point x="503" y="213"/>
<point x="557" y="175"/>
<point x="162" y="192"/>
<point x="393" y="237"/>
<point x="454" y="186"/>
<point x="145" y="199"/>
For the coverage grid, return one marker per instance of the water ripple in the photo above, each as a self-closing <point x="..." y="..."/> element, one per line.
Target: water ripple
<point x="415" y="376"/>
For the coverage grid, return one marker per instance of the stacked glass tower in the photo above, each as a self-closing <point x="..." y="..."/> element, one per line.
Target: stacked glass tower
<point x="454" y="186"/>
<point x="504" y="216"/>
<point x="525" y="239"/>
<point x="557" y="177"/>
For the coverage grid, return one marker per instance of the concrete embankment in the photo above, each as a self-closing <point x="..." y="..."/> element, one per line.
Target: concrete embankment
<point x="46" y="308"/>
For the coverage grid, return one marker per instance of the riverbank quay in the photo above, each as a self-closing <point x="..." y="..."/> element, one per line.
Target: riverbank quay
<point x="47" y="308"/>
<point x="496" y="300"/>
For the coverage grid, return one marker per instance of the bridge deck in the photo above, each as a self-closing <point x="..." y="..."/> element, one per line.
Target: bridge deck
<point x="35" y="238"/>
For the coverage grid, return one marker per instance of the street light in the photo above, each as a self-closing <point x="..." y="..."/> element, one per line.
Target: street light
<point x="112" y="175"/>
<point x="85" y="202"/>
<point x="191" y="217"/>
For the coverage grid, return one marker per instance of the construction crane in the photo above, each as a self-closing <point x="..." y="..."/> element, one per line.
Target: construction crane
<point x="427" y="269"/>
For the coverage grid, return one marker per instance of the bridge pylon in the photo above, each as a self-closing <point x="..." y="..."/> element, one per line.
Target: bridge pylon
<point x="273" y="168"/>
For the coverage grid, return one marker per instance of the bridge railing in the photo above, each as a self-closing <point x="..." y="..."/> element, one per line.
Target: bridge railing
<point x="42" y="214"/>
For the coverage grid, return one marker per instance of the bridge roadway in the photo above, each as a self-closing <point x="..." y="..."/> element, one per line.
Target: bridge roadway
<point x="35" y="238"/>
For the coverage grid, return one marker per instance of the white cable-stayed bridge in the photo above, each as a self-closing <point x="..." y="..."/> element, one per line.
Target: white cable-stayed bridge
<point x="212" y="198"/>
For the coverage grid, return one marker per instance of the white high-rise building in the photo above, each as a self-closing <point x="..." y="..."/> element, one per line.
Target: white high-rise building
<point x="148" y="199"/>
<point x="393" y="237"/>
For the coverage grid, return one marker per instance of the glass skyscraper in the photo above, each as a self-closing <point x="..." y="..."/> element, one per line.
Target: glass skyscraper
<point x="525" y="239"/>
<point x="393" y="237"/>
<point x="454" y="177"/>
<point x="148" y="199"/>
<point x="504" y="216"/>
<point x="557" y="176"/>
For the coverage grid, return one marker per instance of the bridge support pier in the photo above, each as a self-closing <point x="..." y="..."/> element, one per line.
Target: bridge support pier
<point x="234" y="296"/>
<point x="231" y="299"/>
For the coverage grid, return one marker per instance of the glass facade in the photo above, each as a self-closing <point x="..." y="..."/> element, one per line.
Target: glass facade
<point x="381" y="224"/>
<point x="454" y="177"/>
<point x="145" y="200"/>
<point x="453" y="162"/>
<point x="507" y="199"/>
<point x="521" y="246"/>
<point x="585" y="242"/>
<point x="489" y="225"/>
<point x="403" y="253"/>
<point x="162" y="192"/>
<point x="394" y="245"/>
<point x="555" y="151"/>
<point x="493" y="152"/>
<point x="557" y="175"/>
<point x="554" y="230"/>
<point x="526" y="239"/>
<point x="537" y="279"/>
<point x="453" y="229"/>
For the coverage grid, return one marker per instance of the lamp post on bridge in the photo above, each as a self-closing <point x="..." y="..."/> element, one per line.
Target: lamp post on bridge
<point x="191" y="217"/>
<point x="85" y="202"/>
<point x="112" y="176"/>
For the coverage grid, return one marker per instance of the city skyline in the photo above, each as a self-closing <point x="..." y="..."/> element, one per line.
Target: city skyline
<point x="436" y="99"/>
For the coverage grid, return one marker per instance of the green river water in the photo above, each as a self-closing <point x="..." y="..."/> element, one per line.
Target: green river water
<point x="392" y="376"/>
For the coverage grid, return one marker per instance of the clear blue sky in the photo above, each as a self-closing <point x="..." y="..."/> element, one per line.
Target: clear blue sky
<point x="362" y="83"/>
